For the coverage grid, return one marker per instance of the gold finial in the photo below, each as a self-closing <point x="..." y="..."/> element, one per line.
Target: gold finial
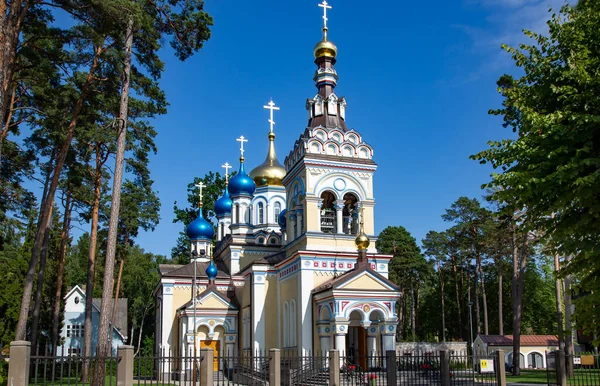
<point x="362" y="240"/>
<point x="200" y="185"/>
<point x="325" y="48"/>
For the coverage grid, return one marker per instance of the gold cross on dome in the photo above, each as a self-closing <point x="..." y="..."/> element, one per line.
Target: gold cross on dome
<point x="325" y="7"/>
<point x="271" y="106"/>
<point x="226" y="166"/>
<point x="241" y="140"/>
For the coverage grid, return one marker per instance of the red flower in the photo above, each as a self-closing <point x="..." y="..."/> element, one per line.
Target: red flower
<point x="372" y="376"/>
<point x="352" y="368"/>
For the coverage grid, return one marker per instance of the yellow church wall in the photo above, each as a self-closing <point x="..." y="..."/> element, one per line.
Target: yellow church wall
<point x="212" y="301"/>
<point x="363" y="282"/>
<point x="312" y="220"/>
<point x="287" y="291"/>
<point x="271" y="325"/>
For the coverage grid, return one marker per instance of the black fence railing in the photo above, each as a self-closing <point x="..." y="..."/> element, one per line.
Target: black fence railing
<point x="71" y="370"/>
<point x="249" y="368"/>
<point x="309" y="369"/>
<point x="422" y="369"/>
<point x="363" y="370"/>
<point x="474" y="370"/>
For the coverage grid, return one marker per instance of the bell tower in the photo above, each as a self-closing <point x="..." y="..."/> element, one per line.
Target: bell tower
<point x="329" y="172"/>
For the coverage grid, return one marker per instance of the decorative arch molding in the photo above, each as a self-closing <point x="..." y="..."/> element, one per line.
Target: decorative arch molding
<point x="358" y="189"/>
<point x="365" y="309"/>
<point x="277" y="197"/>
<point x="211" y="322"/>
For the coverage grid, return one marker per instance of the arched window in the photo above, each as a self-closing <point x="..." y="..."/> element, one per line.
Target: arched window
<point x="292" y="339"/>
<point x="350" y="214"/>
<point x="261" y="213"/>
<point x="286" y="332"/>
<point x="276" y="211"/>
<point x="328" y="215"/>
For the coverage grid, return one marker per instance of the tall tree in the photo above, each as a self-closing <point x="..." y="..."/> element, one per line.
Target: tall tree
<point x="435" y="245"/>
<point x="552" y="165"/>
<point x="470" y="220"/>
<point x="145" y="24"/>
<point x="408" y="268"/>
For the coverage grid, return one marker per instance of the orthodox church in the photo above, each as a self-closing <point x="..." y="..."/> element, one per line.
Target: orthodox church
<point x="292" y="263"/>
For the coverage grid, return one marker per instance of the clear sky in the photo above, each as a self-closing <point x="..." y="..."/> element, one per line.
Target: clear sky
<point x="419" y="78"/>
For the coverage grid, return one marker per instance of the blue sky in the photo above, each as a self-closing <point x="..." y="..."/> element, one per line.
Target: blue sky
<point x="419" y="78"/>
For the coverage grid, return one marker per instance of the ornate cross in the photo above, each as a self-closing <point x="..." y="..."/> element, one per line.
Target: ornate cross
<point x="226" y="166"/>
<point x="241" y="140"/>
<point x="271" y="106"/>
<point x="325" y="7"/>
<point x="200" y="185"/>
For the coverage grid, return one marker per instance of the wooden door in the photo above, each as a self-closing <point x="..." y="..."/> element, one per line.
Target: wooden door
<point x="362" y="347"/>
<point x="215" y="345"/>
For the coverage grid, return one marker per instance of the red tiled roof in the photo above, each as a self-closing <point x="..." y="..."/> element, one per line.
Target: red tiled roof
<point x="526" y="340"/>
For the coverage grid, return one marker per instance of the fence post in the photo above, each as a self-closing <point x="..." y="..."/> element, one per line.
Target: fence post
<point x="334" y="368"/>
<point x="274" y="367"/>
<point x="125" y="366"/>
<point x="500" y="370"/>
<point x="206" y="367"/>
<point x="18" y="365"/>
<point x="561" y="374"/>
<point x="445" y="368"/>
<point x="391" y="367"/>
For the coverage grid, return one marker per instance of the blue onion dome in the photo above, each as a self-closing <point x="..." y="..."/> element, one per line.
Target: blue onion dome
<point x="241" y="184"/>
<point x="211" y="270"/>
<point x="200" y="228"/>
<point x="281" y="220"/>
<point x="224" y="204"/>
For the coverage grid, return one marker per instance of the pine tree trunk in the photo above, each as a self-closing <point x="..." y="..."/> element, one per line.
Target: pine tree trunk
<point x="107" y="290"/>
<point x="558" y="298"/>
<point x="49" y="201"/>
<point x="569" y="349"/>
<point x="500" y="313"/>
<point x="484" y="297"/>
<point x="519" y="263"/>
<point x="122" y="262"/>
<point x="11" y="21"/>
<point x="89" y="288"/>
<point x="413" y="329"/>
<point x="35" y="318"/>
<point x="400" y="329"/>
<point x="64" y="241"/>
<point x="476" y="300"/>
<point x="443" y="302"/>
<point x="458" y="298"/>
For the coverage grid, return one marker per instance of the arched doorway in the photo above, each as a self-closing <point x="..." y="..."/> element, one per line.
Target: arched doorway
<point x="356" y="341"/>
<point x="328" y="215"/>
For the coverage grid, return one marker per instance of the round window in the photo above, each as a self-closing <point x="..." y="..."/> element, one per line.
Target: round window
<point x="77" y="300"/>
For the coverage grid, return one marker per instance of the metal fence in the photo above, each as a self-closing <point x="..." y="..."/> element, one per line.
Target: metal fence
<point x="474" y="370"/>
<point x="363" y="370"/>
<point x="245" y="369"/>
<point x="70" y="369"/>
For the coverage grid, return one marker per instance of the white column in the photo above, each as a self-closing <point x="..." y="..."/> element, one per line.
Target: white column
<point x="319" y="208"/>
<point x="304" y="316"/>
<point x="339" y="206"/>
<point x="299" y="221"/>
<point x="258" y="308"/>
<point x="371" y="345"/>
<point x="325" y="338"/>
<point x="167" y="314"/>
<point x="292" y="226"/>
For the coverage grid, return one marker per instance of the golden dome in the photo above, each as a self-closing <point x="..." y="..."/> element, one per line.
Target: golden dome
<point x="325" y="48"/>
<point x="362" y="241"/>
<point x="270" y="172"/>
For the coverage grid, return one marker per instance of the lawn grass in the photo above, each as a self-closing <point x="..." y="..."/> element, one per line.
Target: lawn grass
<point x="529" y="376"/>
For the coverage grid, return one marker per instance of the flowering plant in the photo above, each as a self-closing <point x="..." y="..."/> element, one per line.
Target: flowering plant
<point x="372" y="378"/>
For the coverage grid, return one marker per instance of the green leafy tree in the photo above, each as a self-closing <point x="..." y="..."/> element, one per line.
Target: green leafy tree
<point x="551" y="167"/>
<point x="408" y="269"/>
